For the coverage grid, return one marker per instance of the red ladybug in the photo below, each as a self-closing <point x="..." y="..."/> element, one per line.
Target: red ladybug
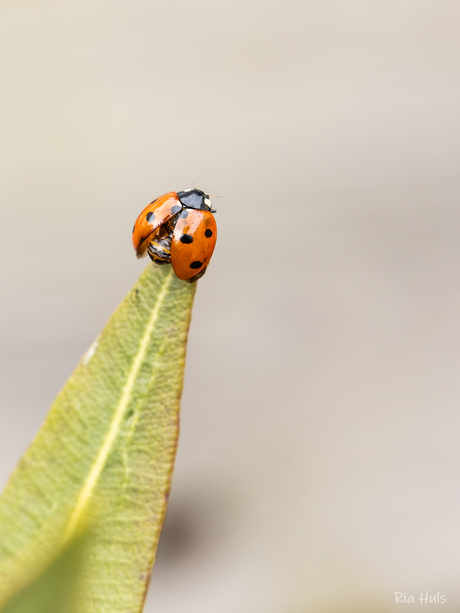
<point x="179" y="229"/>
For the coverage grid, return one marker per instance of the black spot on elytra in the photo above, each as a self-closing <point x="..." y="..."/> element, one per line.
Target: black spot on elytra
<point x="186" y="239"/>
<point x="176" y="208"/>
<point x="134" y="227"/>
<point x="196" y="264"/>
<point x="208" y="233"/>
<point x="150" y="216"/>
<point x="184" y="214"/>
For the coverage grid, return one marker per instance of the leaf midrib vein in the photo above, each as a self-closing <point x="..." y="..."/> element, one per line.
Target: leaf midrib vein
<point x="99" y="463"/>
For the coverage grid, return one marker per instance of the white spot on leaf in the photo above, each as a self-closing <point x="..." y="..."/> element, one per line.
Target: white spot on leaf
<point x="91" y="351"/>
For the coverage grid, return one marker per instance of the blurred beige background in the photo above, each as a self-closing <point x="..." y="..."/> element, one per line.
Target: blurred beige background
<point x="318" y="466"/>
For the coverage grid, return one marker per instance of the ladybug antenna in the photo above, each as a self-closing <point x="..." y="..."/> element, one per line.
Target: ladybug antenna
<point x="213" y="210"/>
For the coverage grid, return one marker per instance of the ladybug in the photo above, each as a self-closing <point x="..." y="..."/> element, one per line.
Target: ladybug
<point x="179" y="229"/>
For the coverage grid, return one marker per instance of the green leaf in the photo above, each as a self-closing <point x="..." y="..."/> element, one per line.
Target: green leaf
<point x="55" y="589"/>
<point x="106" y="451"/>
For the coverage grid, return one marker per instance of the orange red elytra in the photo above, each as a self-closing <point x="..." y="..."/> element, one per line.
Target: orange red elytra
<point x="179" y="229"/>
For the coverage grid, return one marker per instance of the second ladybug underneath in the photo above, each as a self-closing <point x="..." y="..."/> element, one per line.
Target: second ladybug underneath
<point x="179" y="229"/>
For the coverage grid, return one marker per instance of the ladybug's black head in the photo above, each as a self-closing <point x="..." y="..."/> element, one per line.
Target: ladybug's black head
<point x="195" y="199"/>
